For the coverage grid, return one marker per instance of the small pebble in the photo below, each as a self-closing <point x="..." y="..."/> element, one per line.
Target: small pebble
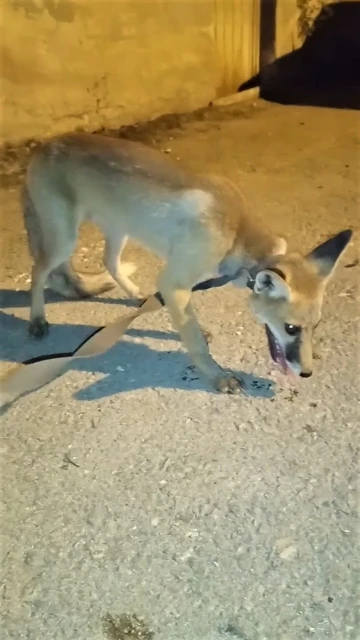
<point x="288" y="553"/>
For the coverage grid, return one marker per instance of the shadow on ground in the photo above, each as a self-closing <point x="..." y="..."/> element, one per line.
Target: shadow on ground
<point x="140" y="365"/>
<point x="10" y="299"/>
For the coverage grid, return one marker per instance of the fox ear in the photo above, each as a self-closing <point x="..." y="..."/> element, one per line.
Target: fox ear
<point x="272" y="284"/>
<point x="326" y="255"/>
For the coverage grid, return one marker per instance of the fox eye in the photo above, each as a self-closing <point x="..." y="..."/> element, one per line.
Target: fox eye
<point x="292" y="329"/>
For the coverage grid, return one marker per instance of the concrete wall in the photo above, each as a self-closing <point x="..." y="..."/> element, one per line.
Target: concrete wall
<point x="287" y="30"/>
<point x="70" y="63"/>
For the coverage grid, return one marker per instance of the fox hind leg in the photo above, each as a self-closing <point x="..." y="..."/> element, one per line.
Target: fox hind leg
<point x="52" y="238"/>
<point x="114" y="247"/>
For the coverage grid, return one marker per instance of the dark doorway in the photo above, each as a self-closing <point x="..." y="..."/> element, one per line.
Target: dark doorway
<point x="267" y="32"/>
<point x="325" y="71"/>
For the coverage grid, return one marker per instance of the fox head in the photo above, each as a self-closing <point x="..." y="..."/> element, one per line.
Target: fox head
<point x="287" y="298"/>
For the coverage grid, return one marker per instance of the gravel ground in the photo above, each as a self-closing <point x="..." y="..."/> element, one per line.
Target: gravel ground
<point x="137" y="503"/>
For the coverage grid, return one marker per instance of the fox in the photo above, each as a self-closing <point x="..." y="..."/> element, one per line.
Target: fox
<point x="197" y="224"/>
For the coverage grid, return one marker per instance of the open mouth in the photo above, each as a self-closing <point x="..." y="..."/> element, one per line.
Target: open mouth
<point x="276" y="351"/>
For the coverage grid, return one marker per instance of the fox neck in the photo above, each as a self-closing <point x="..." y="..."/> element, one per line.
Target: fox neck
<point x="250" y="255"/>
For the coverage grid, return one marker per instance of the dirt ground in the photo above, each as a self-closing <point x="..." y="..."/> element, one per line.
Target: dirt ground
<point x="137" y="503"/>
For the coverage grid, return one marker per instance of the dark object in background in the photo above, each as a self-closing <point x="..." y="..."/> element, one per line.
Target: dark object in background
<point x="325" y="71"/>
<point x="267" y="52"/>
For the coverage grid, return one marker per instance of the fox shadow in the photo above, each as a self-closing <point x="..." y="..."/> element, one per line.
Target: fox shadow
<point x="128" y="366"/>
<point x="11" y="299"/>
<point x="17" y="346"/>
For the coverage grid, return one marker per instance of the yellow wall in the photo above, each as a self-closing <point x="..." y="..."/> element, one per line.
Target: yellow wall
<point x="287" y="31"/>
<point x="88" y="63"/>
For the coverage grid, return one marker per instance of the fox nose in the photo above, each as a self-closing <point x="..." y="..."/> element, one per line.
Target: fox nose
<point x="306" y="374"/>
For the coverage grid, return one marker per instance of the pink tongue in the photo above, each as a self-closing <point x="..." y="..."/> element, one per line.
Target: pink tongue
<point x="277" y="353"/>
<point x="282" y="361"/>
<point x="280" y="358"/>
<point x="283" y="365"/>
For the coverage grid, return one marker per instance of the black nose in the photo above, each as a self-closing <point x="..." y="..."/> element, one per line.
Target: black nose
<point x="306" y="374"/>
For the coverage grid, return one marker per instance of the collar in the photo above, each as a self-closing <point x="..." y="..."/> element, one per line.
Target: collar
<point x="221" y="281"/>
<point x="214" y="283"/>
<point x="250" y="283"/>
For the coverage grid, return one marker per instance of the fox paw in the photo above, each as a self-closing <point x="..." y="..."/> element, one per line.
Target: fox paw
<point x="229" y="384"/>
<point x="38" y="328"/>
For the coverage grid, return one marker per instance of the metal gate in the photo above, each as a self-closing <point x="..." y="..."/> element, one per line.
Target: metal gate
<point x="237" y="38"/>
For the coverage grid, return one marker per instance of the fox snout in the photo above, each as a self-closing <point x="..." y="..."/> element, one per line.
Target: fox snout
<point x="299" y="355"/>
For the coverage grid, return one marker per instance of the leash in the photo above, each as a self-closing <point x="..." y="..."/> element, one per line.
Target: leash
<point x="36" y="372"/>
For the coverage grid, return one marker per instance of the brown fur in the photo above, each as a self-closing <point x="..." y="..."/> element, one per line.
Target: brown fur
<point x="198" y="224"/>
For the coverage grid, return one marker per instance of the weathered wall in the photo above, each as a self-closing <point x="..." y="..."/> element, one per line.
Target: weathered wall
<point x="287" y="29"/>
<point x="294" y="21"/>
<point x="70" y="63"/>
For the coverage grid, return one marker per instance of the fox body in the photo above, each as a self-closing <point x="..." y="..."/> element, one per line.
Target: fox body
<point x="199" y="226"/>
